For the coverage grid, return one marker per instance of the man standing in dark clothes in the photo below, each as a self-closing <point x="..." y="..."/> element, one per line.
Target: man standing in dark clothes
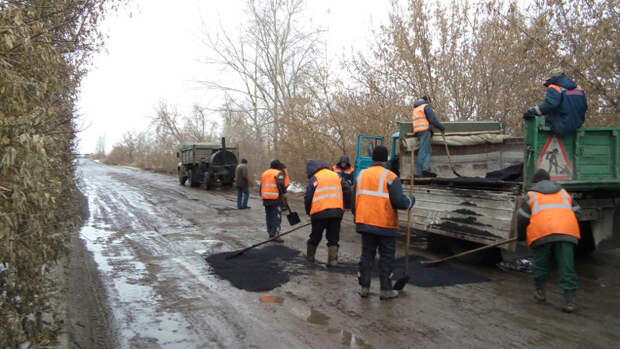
<point x="344" y="169"/>
<point x="564" y="106"/>
<point x="271" y="189"/>
<point x="378" y="194"/>
<point x="423" y="118"/>
<point x="242" y="183"/>
<point x="547" y="220"/>
<point x="324" y="202"/>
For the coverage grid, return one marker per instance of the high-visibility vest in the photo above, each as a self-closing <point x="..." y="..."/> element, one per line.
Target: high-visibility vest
<point x="372" y="198"/>
<point x="551" y="214"/>
<point x="327" y="192"/>
<point x="576" y="91"/>
<point x="420" y="123"/>
<point x="340" y="171"/>
<point x="287" y="180"/>
<point x="269" y="184"/>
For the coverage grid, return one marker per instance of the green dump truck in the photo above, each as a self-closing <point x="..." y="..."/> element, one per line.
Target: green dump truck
<point x="474" y="209"/>
<point x="207" y="164"/>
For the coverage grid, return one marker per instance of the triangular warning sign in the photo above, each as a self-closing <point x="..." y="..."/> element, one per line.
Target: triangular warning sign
<point x="554" y="160"/>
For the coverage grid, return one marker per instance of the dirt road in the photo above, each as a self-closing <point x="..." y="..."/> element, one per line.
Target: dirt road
<point x="147" y="236"/>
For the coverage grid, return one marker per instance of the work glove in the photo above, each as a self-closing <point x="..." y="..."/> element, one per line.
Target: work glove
<point x="530" y="113"/>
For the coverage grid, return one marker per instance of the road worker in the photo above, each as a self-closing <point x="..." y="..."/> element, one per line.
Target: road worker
<point x="564" y="106"/>
<point x="272" y="187"/>
<point x="423" y="118"/>
<point x="242" y="183"/>
<point x="377" y="195"/>
<point x="324" y="200"/>
<point x="344" y="169"/>
<point x="548" y="222"/>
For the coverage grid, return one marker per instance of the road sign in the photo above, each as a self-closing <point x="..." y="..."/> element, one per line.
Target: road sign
<point x="554" y="160"/>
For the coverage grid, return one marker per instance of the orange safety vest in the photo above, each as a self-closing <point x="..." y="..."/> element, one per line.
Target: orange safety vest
<point x="269" y="185"/>
<point x="551" y="214"/>
<point x="372" y="198"/>
<point x="327" y="192"/>
<point x="420" y="123"/>
<point x="340" y="171"/>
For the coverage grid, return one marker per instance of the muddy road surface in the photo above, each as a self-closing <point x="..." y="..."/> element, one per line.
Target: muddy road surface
<point x="147" y="236"/>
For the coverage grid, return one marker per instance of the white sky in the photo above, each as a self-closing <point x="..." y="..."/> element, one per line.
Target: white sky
<point x="154" y="54"/>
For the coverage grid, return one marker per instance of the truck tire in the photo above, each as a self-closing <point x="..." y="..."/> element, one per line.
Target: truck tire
<point x="194" y="178"/>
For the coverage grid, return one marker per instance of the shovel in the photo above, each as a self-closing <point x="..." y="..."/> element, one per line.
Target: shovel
<point x="449" y="157"/>
<point x="400" y="283"/>
<point x="475" y="250"/>
<point x="240" y="252"/>
<point x="292" y="217"/>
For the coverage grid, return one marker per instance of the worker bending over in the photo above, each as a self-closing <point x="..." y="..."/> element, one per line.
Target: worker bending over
<point x="272" y="188"/>
<point x="378" y="194"/>
<point x="324" y="202"/>
<point x="547" y="220"/>
<point x="564" y="106"/>
<point x="424" y="117"/>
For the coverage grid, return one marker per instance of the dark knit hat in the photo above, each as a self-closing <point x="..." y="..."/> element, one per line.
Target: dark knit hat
<point x="380" y="153"/>
<point x="244" y="161"/>
<point x="540" y="175"/>
<point x="275" y="164"/>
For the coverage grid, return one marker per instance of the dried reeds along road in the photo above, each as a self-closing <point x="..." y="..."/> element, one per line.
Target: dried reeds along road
<point x="147" y="236"/>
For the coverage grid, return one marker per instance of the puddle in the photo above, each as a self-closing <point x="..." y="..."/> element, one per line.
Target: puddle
<point x="348" y="339"/>
<point x="318" y="318"/>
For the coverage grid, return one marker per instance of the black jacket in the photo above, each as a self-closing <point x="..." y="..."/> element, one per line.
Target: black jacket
<point x="525" y="211"/>
<point x="564" y="110"/>
<point x="347" y="176"/>
<point x="398" y="200"/>
<point x="312" y="168"/>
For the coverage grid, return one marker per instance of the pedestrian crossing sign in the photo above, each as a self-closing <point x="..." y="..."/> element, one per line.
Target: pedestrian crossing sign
<point x="554" y="160"/>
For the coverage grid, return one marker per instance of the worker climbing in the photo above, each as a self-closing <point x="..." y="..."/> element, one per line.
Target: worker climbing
<point x="272" y="189"/>
<point x="324" y="200"/>
<point x="377" y="195"/>
<point x="423" y="118"/>
<point x="564" y="106"/>
<point x="548" y="222"/>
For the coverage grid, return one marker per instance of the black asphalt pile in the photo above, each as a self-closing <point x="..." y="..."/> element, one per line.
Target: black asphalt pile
<point x="260" y="269"/>
<point x="264" y="269"/>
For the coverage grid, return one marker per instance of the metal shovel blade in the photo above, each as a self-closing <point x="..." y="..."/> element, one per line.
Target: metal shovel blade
<point x="293" y="218"/>
<point x="400" y="283"/>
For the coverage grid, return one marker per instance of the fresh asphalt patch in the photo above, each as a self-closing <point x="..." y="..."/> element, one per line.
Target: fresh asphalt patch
<point x="264" y="269"/>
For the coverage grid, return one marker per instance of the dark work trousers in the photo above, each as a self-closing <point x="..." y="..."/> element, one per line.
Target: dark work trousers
<point x="387" y="249"/>
<point x="423" y="159"/>
<point x="274" y="219"/>
<point x="243" y="194"/>
<point x="563" y="252"/>
<point x="332" y="234"/>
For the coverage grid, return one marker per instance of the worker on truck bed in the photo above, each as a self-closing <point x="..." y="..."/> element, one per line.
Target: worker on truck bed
<point x="564" y="106"/>
<point x="377" y="196"/>
<point x="423" y="117"/>
<point x="324" y="200"/>
<point x="547" y="220"/>
<point x="272" y="188"/>
<point x="344" y="169"/>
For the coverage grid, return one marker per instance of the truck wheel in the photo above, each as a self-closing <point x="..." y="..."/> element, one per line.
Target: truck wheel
<point x="194" y="179"/>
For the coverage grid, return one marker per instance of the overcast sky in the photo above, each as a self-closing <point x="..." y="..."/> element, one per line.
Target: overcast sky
<point x="154" y="55"/>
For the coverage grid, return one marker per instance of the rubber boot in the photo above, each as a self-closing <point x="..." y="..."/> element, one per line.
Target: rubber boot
<point x="332" y="256"/>
<point x="569" y="301"/>
<point x="364" y="292"/>
<point x="539" y="294"/>
<point x="364" y="280"/>
<point x="310" y="252"/>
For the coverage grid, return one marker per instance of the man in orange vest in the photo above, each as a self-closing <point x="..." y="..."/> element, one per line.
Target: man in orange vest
<point x="564" y="106"/>
<point x="377" y="196"/>
<point x="423" y="118"/>
<point x="272" y="187"/>
<point x="344" y="169"/>
<point x="324" y="200"/>
<point x="547" y="220"/>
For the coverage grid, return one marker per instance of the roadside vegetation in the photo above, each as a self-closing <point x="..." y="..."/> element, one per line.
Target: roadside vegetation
<point x="44" y="50"/>
<point x="477" y="60"/>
